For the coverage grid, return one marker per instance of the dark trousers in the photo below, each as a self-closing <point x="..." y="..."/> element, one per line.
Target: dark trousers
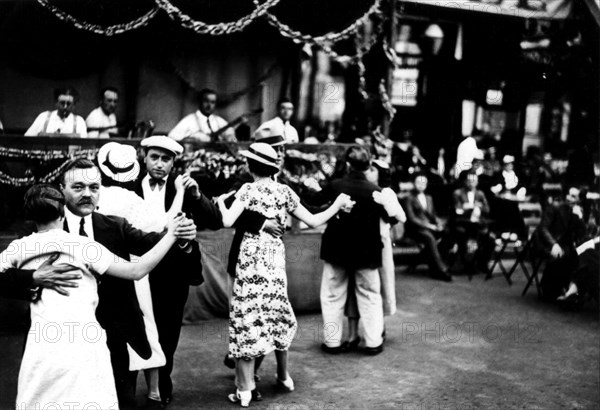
<point x="557" y="274"/>
<point x="464" y="230"/>
<point x="432" y="253"/>
<point x="168" y="302"/>
<point x="586" y="275"/>
<point x="125" y="380"/>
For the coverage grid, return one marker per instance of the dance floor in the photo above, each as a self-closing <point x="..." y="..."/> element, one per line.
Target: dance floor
<point x="460" y="345"/>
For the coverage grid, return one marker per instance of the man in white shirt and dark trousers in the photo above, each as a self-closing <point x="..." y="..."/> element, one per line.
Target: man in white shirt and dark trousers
<point x="203" y="124"/>
<point x="102" y="121"/>
<point x="285" y="111"/>
<point x="62" y="120"/>
<point x="170" y="288"/>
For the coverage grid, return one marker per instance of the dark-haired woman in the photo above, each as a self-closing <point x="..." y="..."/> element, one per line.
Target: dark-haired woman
<point x="261" y="318"/>
<point x="66" y="361"/>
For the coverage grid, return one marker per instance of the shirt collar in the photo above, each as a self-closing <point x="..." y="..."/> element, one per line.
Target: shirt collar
<point x="202" y="116"/>
<point x="73" y="222"/>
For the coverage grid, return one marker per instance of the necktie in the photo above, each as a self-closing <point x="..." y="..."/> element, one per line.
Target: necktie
<point x="208" y="123"/>
<point x="154" y="182"/>
<point x="284" y="128"/>
<point x="82" y="228"/>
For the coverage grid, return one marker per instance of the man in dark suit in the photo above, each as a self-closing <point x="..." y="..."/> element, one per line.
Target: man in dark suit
<point x="470" y="221"/>
<point x="351" y="244"/>
<point x="423" y="226"/>
<point x="118" y="310"/>
<point x="559" y="231"/>
<point x="169" y="290"/>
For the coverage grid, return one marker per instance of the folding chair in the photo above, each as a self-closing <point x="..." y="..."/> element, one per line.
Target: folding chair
<point x="531" y="213"/>
<point x="532" y="217"/>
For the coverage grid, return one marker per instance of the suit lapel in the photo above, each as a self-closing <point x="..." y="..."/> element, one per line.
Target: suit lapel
<point x="101" y="234"/>
<point x="169" y="193"/>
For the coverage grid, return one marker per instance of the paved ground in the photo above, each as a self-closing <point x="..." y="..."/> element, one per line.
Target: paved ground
<point x="463" y="345"/>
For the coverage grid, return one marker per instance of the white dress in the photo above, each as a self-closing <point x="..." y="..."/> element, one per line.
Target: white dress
<point x="121" y="202"/>
<point x="66" y="359"/>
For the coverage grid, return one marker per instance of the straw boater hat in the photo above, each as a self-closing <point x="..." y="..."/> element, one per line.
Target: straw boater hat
<point x="508" y="159"/>
<point x="119" y="162"/>
<point x="271" y="135"/>
<point x="263" y="153"/>
<point x="163" y="142"/>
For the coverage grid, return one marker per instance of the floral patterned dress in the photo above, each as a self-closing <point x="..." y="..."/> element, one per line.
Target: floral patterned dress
<point x="261" y="318"/>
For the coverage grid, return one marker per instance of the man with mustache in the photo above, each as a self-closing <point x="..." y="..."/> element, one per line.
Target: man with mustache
<point x="118" y="311"/>
<point x="62" y="120"/>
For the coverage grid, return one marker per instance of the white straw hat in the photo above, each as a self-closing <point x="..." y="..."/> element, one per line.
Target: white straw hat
<point x="119" y="162"/>
<point x="263" y="153"/>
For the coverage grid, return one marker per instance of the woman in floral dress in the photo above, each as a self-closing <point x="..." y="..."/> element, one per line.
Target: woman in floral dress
<point x="261" y="319"/>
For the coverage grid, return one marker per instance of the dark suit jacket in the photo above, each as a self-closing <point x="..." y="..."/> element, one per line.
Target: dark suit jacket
<point x="460" y="198"/>
<point x="559" y="225"/>
<point x="418" y="217"/>
<point x="16" y="284"/>
<point x="353" y="240"/>
<point x="205" y="214"/>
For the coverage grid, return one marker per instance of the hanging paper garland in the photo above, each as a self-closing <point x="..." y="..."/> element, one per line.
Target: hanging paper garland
<point x="96" y="28"/>
<point x="44" y="156"/>
<point x="325" y="40"/>
<point x="218" y="29"/>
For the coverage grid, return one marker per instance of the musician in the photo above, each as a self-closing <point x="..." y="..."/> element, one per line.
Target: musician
<point x="285" y="111"/>
<point x="203" y="124"/>
<point x="62" y="120"/>
<point x="102" y="121"/>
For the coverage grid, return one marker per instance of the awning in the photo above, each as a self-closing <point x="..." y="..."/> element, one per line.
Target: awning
<point x="535" y="9"/>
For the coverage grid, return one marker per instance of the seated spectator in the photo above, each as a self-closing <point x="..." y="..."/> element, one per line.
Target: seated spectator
<point x="584" y="281"/>
<point x="423" y="226"/>
<point x="561" y="228"/>
<point x="470" y="223"/>
<point x="507" y="181"/>
<point x="62" y="120"/>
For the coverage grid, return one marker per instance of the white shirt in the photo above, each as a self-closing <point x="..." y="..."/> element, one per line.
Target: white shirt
<point x="465" y="154"/>
<point x="74" y="221"/>
<point x="49" y="122"/>
<point x="155" y="198"/>
<point x="471" y="197"/>
<point x="98" y="119"/>
<point x="423" y="200"/>
<point x="511" y="180"/>
<point x="276" y="125"/>
<point x="198" y="122"/>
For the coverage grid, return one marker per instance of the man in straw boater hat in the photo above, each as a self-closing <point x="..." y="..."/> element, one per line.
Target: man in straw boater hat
<point x="169" y="288"/>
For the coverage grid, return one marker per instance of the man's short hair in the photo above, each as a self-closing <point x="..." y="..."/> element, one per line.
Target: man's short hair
<point x="79" y="163"/>
<point x="420" y="174"/>
<point x="358" y="158"/>
<point x="205" y="91"/>
<point x="284" y="100"/>
<point x="105" y="89"/>
<point x="66" y="91"/>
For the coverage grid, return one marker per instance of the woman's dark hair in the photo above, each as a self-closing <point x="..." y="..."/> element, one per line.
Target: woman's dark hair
<point x="260" y="169"/>
<point x="44" y="203"/>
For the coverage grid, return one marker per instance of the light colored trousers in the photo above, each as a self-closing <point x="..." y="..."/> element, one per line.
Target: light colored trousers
<point x="334" y="292"/>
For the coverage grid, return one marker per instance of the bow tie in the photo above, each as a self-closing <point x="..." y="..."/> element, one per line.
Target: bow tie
<point x="154" y="182"/>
